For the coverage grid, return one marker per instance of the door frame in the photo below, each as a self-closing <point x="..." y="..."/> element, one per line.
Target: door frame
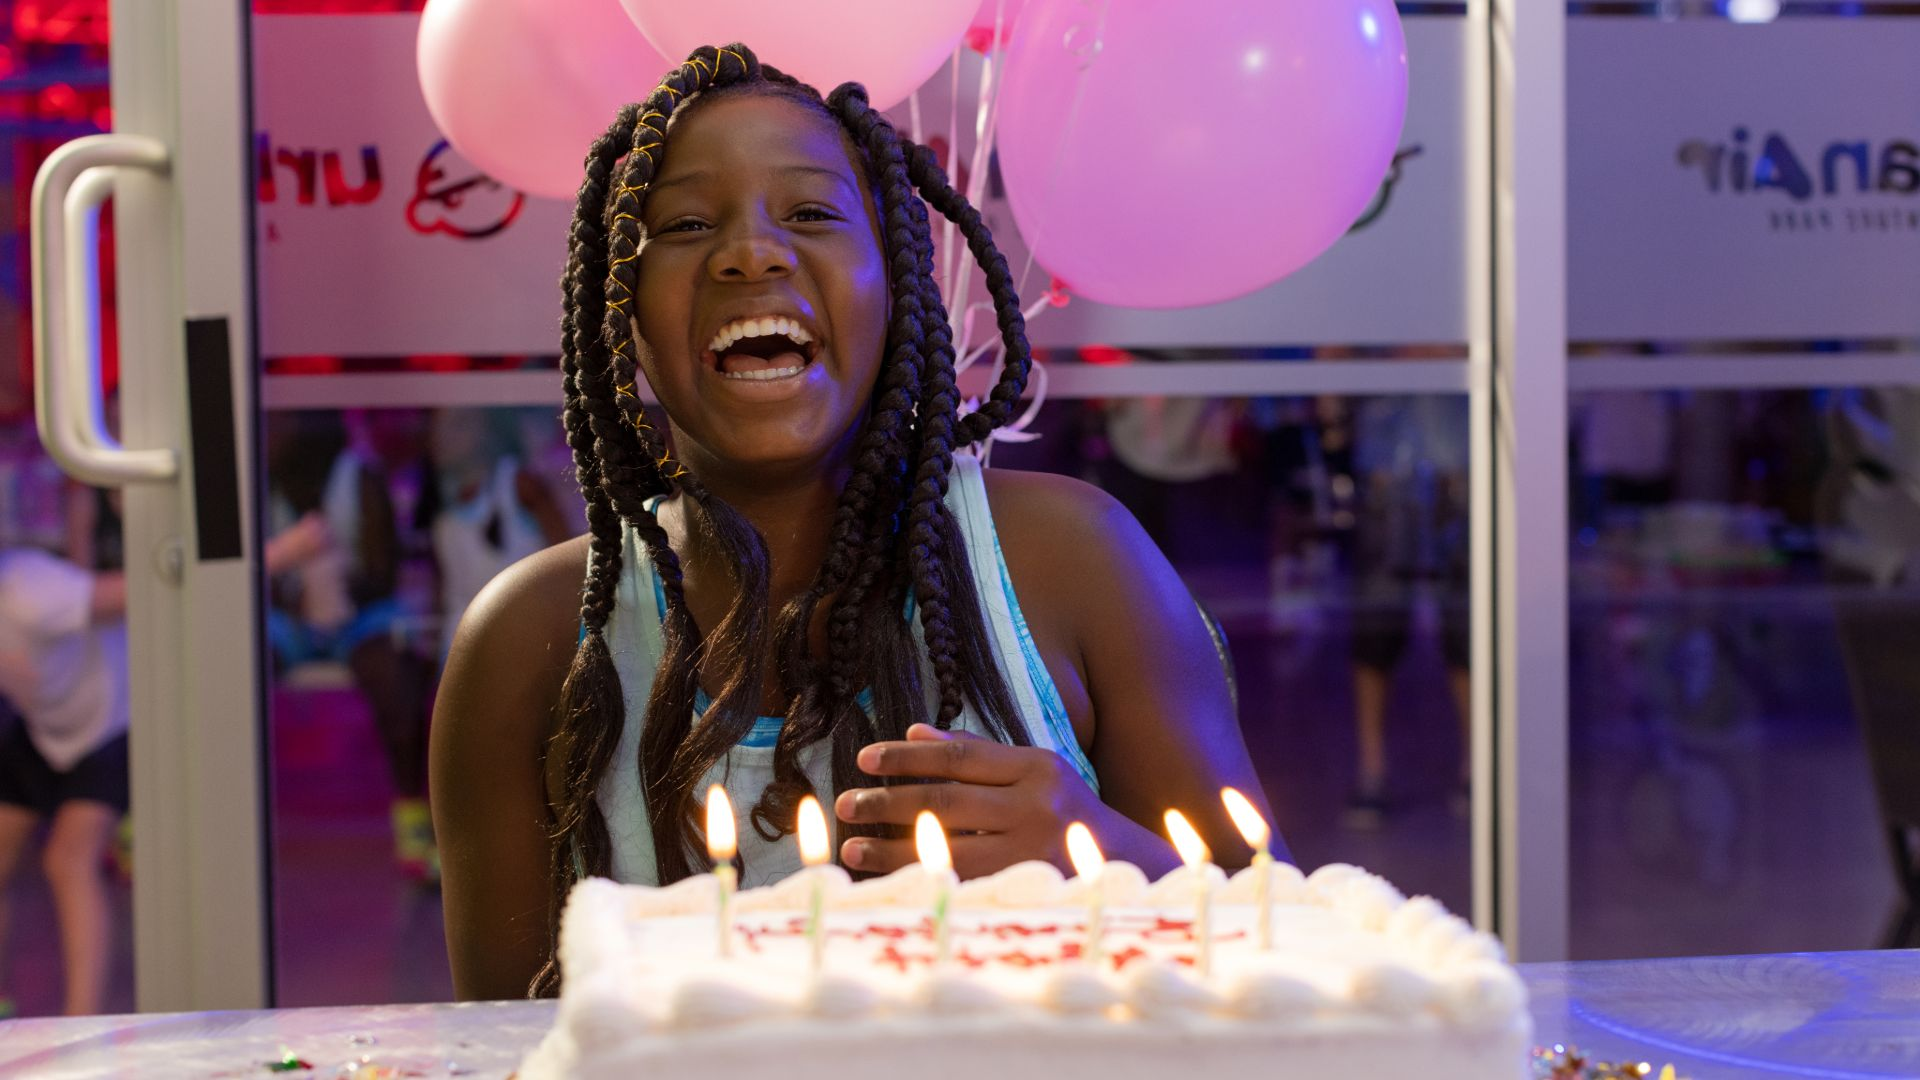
<point x="202" y="921"/>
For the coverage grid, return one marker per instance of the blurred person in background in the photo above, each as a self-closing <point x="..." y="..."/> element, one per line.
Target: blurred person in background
<point x="1409" y="556"/>
<point x="486" y="505"/>
<point x="96" y="540"/>
<point x="1624" y="439"/>
<point x="63" y="754"/>
<point x="333" y="561"/>
<point x="1306" y="450"/>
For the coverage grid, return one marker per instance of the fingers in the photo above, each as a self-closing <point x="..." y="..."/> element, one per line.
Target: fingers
<point x="973" y="856"/>
<point x="964" y="807"/>
<point x="937" y="755"/>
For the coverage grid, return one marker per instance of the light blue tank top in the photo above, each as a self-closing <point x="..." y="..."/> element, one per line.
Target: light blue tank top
<point x="634" y="637"/>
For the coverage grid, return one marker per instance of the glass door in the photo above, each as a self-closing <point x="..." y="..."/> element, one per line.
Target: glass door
<point x="173" y="165"/>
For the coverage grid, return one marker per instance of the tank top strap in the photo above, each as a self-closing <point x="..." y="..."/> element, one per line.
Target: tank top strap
<point x="1034" y="690"/>
<point x="634" y="639"/>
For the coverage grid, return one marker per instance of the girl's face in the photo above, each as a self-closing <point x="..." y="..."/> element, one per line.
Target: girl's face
<point x="762" y="288"/>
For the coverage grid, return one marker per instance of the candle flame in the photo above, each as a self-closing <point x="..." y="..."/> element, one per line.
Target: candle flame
<point x="1245" y="818"/>
<point x="1083" y="852"/>
<point x="813" y="832"/>
<point x="722" y="841"/>
<point x="930" y="840"/>
<point x="1193" y="850"/>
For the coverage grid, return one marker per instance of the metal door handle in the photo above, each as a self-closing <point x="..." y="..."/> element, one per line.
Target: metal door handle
<point x="67" y="193"/>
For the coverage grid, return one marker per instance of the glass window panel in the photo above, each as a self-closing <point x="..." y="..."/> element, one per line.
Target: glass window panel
<point x="389" y="522"/>
<point x="1742" y="709"/>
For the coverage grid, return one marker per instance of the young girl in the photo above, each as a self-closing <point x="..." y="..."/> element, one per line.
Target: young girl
<point x="801" y="585"/>
<point x="63" y="761"/>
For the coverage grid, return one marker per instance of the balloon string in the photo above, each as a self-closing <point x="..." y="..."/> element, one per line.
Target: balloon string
<point x="988" y="117"/>
<point x="947" y="261"/>
<point x="989" y="127"/>
<point x="986" y="128"/>
<point x="964" y="327"/>
<point x="962" y="333"/>
<point x="1032" y="312"/>
<point x="1018" y="431"/>
<point x="969" y="355"/>
<point x="988" y="120"/>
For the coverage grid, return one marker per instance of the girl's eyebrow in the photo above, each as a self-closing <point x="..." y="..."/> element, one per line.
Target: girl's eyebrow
<point x="701" y="175"/>
<point x="835" y="175"/>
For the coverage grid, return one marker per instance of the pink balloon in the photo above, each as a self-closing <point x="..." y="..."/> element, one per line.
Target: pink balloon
<point x="523" y="87"/>
<point x="1211" y="147"/>
<point x="890" y="46"/>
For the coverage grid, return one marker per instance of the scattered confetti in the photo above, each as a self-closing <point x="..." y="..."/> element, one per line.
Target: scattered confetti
<point x="289" y="1062"/>
<point x="1560" y="1062"/>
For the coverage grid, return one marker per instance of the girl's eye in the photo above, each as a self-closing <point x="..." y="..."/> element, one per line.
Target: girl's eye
<point x="683" y="225"/>
<point x="815" y="213"/>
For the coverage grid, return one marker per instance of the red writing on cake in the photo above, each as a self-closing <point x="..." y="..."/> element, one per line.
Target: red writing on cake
<point x="908" y="945"/>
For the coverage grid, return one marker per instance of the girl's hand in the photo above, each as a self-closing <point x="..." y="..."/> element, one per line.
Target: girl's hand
<point x="1007" y="804"/>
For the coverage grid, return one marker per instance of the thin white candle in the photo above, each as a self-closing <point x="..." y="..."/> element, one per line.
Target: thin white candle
<point x="1092" y="867"/>
<point x="814" y="850"/>
<point x="722" y="843"/>
<point x="1199" y="860"/>
<point x="930" y="841"/>
<point x="1258" y="836"/>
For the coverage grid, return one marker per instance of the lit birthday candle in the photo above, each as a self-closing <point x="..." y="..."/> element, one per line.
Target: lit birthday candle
<point x="1258" y="836"/>
<point x="1193" y="851"/>
<point x="930" y="840"/>
<point x="1091" y="866"/>
<point x="722" y="842"/>
<point x="813" y="852"/>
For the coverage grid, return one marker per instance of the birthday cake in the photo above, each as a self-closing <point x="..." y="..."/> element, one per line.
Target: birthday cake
<point x="1353" y="980"/>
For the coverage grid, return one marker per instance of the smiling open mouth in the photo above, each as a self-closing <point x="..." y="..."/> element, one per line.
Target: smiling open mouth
<point x="762" y="349"/>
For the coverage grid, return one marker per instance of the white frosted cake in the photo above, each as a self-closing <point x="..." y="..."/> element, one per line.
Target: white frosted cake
<point x="1358" y="982"/>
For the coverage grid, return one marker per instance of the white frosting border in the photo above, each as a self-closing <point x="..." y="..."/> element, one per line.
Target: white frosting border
<point x="1453" y="977"/>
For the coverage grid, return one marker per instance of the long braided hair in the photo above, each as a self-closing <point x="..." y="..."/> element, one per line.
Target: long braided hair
<point x="891" y="536"/>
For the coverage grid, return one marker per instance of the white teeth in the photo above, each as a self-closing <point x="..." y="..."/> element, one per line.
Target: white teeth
<point x="762" y="327"/>
<point x="764" y="374"/>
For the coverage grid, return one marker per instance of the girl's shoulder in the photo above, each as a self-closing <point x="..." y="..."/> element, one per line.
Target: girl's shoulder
<point x="1073" y="551"/>
<point x="1048" y="520"/>
<point x="534" y="601"/>
<point x="492" y="804"/>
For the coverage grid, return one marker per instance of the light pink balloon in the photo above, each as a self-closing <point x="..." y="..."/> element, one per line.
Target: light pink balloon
<point x="523" y="87"/>
<point x="890" y="46"/>
<point x="1213" y="147"/>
